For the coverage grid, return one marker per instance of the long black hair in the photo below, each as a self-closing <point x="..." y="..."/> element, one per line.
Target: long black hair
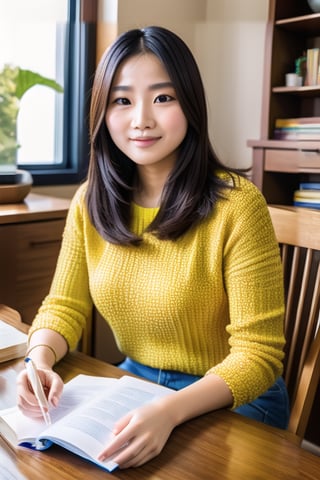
<point x="193" y="186"/>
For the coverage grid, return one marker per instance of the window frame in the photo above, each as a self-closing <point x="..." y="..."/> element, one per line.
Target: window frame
<point x="81" y="61"/>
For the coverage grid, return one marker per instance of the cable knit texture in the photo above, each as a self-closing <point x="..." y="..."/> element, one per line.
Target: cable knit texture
<point x="209" y="302"/>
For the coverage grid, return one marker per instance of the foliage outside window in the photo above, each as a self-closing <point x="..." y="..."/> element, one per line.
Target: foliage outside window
<point x="55" y="39"/>
<point x="14" y="83"/>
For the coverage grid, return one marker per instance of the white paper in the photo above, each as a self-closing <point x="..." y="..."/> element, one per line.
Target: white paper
<point x="84" y="420"/>
<point x="10" y="336"/>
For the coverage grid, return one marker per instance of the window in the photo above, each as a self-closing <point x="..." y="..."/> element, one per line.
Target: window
<point x="55" y="38"/>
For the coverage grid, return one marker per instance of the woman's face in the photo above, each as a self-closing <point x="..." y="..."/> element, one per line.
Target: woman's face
<point x="143" y="116"/>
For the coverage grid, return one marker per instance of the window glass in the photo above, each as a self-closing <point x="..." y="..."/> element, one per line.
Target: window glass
<point x="33" y="36"/>
<point x="57" y="40"/>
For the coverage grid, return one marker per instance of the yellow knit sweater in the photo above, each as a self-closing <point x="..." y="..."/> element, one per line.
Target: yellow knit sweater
<point x="211" y="301"/>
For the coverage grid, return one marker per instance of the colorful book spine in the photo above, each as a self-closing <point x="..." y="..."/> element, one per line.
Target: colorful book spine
<point x="309" y="186"/>
<point x="305" y="128"/>
<point x="298" y="135"/>
<point x="308" y="195"/>
<point x="312" y="65"/>
<point x="315" y="206"/>
<point x="283" y="122"/>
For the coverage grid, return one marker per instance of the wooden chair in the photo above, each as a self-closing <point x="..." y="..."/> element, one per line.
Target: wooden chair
<point x="298" y="233"/>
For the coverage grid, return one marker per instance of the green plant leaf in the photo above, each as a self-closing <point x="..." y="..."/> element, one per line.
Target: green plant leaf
<point x="26" y="79"/>
<point x="14" y="82"/>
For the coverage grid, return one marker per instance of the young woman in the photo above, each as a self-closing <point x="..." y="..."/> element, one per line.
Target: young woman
<point x="176" y="251"/>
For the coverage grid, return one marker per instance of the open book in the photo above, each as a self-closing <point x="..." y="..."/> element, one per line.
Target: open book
<point x="84" y="419"/>
<point x="13" y="334"/>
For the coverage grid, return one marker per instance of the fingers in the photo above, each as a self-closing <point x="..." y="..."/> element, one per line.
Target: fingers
<point x="137" y="453"/>
<point x="55" y="390"/>
<point x="122" y="423"/>
<point x="133" y="446"/>
<point x="25" y="393"/>
<point x="26" y="400"/>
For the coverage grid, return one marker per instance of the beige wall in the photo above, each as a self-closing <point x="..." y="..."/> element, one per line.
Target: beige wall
<point x="117" y="16"/>
<point x="181" y="16"/>
<point x="230" y="52"/>
<point x="227" y="39"/>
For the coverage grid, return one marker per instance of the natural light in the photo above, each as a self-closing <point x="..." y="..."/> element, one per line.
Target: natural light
<point x="32" y="36"/>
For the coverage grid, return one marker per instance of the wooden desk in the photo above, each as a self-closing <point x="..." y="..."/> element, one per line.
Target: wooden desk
<point x="35" y="207"/>
<point x="30" y="239"/>
<point x="220" y="445"/>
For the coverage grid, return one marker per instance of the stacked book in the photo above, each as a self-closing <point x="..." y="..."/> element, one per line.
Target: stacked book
<point x="298" y="129"/>
<point x="307" y="196"/>
<point x="13" y="334"/>
<point x="312" y="67"/>
<point x="13" y="343"/>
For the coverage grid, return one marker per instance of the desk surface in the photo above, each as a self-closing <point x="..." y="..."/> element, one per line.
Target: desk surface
<point x="35" y="207"/>
<point x="220" y="445"/>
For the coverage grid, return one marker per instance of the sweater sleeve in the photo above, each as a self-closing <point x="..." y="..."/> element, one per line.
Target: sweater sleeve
<point x="67" y="307"/>
<point x="254" y="284"/>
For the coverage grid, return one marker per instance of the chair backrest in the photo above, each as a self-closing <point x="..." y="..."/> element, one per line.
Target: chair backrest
<point x="298" y="234"/>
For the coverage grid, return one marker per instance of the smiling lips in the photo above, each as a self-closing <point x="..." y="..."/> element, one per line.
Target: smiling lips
<point x="144" y="141"/>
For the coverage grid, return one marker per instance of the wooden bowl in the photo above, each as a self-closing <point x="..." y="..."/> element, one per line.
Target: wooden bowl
<point x="17" y="189"/>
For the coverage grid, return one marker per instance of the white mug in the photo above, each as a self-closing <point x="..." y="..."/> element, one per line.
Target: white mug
<point x="292" y="80"/>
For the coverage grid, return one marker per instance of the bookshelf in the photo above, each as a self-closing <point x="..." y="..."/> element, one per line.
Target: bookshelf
<point x="279" y="166"/>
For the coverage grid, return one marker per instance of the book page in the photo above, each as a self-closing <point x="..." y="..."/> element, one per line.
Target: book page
<point x="77" y="391"/>
<point x="87" y="430"/>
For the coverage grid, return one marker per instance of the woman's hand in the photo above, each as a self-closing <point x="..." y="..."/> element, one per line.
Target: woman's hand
<point x="141" y="435"/>
<point x="27" y="402"/>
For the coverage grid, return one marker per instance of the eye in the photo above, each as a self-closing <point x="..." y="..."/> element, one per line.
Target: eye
<point x="163" y="98"/>
<point x="121" y="101"/>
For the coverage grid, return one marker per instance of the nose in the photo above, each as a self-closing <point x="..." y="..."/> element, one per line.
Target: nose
<point x="142" y="117"/>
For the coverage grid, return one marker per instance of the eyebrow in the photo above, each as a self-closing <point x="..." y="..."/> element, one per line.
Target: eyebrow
<point x="154" y="86"/>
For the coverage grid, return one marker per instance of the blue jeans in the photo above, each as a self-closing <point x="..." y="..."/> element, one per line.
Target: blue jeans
<point x="272" y="407"/>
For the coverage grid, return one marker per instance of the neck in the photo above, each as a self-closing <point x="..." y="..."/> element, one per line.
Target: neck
<point x="147" y="198"/>
<point x="148" y="189"/>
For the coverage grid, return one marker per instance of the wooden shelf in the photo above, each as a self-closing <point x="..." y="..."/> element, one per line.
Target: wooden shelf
<point x="292" y="29"/>
<point x="285" y="144"/>
<point x="279" y="166"/>
<point x="311" y="91"/>
<point x="307" y="24"/>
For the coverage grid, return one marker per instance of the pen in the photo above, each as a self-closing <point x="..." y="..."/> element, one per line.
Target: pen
<point x="38" y="389"/>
